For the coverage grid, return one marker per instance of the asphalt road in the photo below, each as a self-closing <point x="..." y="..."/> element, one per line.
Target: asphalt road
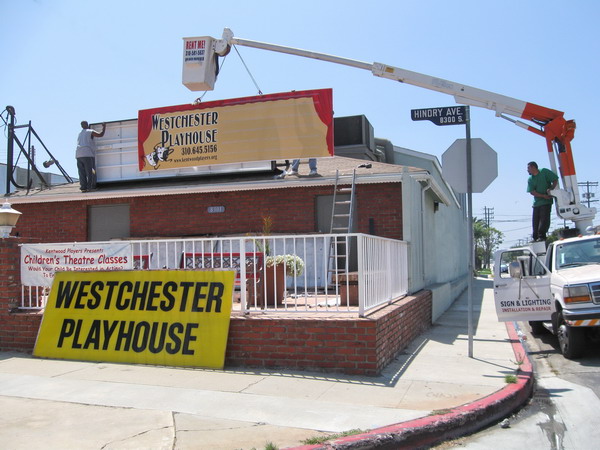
<point x="584" y="371"/>
<point x="563" y="412"/>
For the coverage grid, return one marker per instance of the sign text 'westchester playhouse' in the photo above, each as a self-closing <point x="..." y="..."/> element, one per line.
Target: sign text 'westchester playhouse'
<point x="268" y="127"/>
<point x="165" y="317"/>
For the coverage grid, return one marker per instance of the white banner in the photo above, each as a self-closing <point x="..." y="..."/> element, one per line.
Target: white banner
<point x="39" y="262"/>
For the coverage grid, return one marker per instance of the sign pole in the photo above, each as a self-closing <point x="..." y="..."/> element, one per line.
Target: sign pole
<point x="470" y="232"/>
<point x="461" y="115"/>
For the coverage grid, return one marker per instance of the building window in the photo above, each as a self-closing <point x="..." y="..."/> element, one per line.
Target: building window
<point x="107" y="222"/>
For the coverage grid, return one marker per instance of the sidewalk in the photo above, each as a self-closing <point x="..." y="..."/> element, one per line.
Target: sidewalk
<point x="431" y="390"/>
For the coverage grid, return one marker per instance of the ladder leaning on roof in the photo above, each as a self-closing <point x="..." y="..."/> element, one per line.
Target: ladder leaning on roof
<point x="342" y="222"/>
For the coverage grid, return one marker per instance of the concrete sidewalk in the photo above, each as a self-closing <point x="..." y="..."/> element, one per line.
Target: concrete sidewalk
<point x="432" y="390"/>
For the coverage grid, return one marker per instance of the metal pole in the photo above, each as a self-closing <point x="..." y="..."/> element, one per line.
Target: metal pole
<point x="9" y="147"/>
<point x="470" y="232"/>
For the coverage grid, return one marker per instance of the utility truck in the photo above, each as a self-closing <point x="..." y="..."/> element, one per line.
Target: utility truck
<point x="556" y="287"/>
<point x="201" y="68"/>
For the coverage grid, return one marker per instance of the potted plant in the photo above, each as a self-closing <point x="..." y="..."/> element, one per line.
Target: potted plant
<point x="294" y="265"/>
<point x="278" y="267"/>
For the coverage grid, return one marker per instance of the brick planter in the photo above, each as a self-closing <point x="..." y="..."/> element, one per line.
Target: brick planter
<point x="349" y="345"/>
<point x="348" y="284"/>
<point x="18" y="330"/>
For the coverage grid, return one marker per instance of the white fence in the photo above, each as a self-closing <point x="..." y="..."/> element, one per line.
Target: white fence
<point x="316" y="276"/>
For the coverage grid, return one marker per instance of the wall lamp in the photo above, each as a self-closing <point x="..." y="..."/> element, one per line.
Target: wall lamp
<point x="8" y="219"/>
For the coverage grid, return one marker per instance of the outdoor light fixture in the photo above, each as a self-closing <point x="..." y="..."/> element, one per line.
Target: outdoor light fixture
<point x="8" y="219"/>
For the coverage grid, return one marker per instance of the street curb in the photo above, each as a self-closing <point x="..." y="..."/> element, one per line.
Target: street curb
<point x="461" y="421"/>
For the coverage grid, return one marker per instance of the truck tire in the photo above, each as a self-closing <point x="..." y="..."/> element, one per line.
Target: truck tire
<point x="570" y="339"/>
<point x="537" y="327"/>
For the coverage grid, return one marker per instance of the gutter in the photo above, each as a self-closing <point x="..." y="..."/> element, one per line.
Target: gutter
<point x="429" y="181"/>
<point x="55" y="195"/>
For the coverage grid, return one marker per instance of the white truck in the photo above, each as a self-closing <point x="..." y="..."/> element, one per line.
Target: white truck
<point x="557" y="288"/>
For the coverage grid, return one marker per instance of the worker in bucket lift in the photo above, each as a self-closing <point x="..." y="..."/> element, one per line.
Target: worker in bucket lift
<point x="539" y="184"/>
<point x="86" y="156"/>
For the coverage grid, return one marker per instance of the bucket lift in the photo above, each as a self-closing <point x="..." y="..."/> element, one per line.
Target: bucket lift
<point x="545" y="122"/>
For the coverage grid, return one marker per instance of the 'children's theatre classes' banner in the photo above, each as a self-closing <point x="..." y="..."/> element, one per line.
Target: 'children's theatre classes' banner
<point x="263" y="128"/>
<point x="162" y="317"/>
<point x="39" y="262"/>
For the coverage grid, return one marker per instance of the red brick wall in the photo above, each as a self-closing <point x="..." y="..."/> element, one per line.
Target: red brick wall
<point x="399" y="325"/>
<point x="350" y="345"/>
<point x="383" y="204"/>
<point x="293" y="210"/>
<point x="53" y="222"/>
<point x="18" y="330"/>
<point x="347" y="345"/>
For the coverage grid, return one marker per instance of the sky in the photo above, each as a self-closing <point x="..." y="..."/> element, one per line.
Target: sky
<point x="64" y="61"/>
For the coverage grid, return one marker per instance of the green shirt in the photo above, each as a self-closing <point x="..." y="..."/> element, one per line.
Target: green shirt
<point x="540" y="183"/>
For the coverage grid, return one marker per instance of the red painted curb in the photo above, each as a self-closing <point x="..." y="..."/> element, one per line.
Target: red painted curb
<point x="460" y="421"/>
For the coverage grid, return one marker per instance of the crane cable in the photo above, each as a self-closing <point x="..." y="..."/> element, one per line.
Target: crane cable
<point x="219" y="69"/>
<point x="248" y="70"/>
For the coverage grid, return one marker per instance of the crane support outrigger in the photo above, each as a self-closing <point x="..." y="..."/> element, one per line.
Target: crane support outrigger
<point x="548" y="123"/>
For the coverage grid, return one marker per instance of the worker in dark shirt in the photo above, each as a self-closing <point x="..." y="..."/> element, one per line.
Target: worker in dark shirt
<point x="539" y="184"/>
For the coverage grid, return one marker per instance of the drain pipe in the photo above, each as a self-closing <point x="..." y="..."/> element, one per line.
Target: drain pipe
<point x="423" y="190"/>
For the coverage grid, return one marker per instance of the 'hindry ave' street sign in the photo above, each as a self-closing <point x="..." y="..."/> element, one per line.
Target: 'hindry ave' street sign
<point x="445" y="115"/>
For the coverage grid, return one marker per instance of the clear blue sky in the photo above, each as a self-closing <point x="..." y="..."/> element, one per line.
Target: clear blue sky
<point x="64" y="61"/>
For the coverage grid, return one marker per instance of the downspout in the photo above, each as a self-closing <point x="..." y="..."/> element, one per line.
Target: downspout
<point x="423" y="190"/>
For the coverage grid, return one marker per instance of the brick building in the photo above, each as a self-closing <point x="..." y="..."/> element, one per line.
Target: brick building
<point x="409" y="202"/>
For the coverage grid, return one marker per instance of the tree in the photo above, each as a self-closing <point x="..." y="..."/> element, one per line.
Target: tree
<point x="487" y="239"/>
<point x="561" y="233"/>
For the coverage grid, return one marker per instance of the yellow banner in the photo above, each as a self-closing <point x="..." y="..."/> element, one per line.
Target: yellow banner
<point x="163" y="317"/>
<point x="276" y="126"/>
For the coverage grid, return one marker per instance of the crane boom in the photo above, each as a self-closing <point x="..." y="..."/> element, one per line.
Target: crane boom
<point x="548" y="123"/>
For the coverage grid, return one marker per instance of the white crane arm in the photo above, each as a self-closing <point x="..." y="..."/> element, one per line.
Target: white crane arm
<point x="548" y="123"/>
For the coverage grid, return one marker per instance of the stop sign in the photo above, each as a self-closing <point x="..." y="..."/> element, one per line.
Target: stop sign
<point x="484" y="165"/>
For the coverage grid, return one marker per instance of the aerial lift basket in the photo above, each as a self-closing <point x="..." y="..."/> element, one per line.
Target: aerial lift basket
<point x="200" y="65"/>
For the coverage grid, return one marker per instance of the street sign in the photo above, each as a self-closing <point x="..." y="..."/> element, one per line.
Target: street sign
<point x="484" y="163"/>
<point x="444" y="115"/>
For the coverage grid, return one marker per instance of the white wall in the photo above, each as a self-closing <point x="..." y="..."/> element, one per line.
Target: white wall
<point x="437" y="237"/>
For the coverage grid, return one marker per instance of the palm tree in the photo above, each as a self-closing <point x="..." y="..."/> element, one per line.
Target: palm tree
<point x="487" y="239"/>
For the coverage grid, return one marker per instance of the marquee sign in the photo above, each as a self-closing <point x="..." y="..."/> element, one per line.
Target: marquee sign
<point x="263" y="128"/>
<point x="164" y="317"/>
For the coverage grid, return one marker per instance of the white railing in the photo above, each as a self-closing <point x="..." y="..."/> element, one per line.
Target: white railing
<point x="320" y="279"/>
<point x="383" y="271"/>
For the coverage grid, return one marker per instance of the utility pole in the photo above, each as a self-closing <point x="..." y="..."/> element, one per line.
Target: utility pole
<point x="587" y="195"/>
<point x="488" y="216"/>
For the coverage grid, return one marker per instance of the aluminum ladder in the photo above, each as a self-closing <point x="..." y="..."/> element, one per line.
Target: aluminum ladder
<point x="342" y="221"/>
